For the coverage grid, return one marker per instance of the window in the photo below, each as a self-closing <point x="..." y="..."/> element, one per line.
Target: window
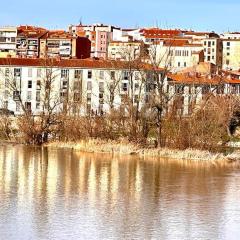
<point x="77" y="73"/>
<point x="179" y="64"/>
<point x="209" y="44"/>
<point x="179" y="89"/>
<point x="125" y="75"/>
<point x="63" y="95"/>
<point x="39" y="72"/>
<point x="5" y="104"/>
<point x="37" y="106"/>
<point x="29" y="84"/>
<point x="89" y="96"/>
<point x="227" y="61"/>
<point x="228" y="44"/>
<point x="205" y="89"/>
<point x="6" y="94"/>
<point x="101" y="74"/>
<point x="49" y="72"/>
<point x="76" y="97"/>
<point x="101" y="100"/>
<point x="136" y="86"/>
<point x="38" y="84"/>
<point x="64" y="73"/>
<point x="76" y="85"/>
<point x="228" y="53"/>
<point x="112" y="75"/>
<point x="17" y="72"/>
<point x="64" y="84"/>
<point x="38" y="96"/>
<point x="29" y="95"/>
<point x="7" y="72"/>
<point x="17" y="106"/>
<point x="89" y="86"/>
<point x="101" y="87"/>
<point x="16" y="95"/>
<point x="185" y="64"/>
<point x="89" y="74"/>
<point x="6" y="83"/>
<point x="208" y="58"/>
<point x="136" y="99"/>
<point x="30" y="72"/>
<point x="137" y="76"/>
<point x="124" y="87"/>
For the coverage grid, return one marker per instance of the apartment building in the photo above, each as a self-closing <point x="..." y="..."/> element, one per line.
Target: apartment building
<point x="99" y="34"/>
<point x="27" y="41"/>
<point x="189" y="89"/>
<point x="150" y="35"/>
<point x="212" y="45"/>
<point x="129" y="50"/>
<point x="8" y="41"/>
<point x="86" y="83"/>
<point x="62" y="44"/>
<point x="213" y="51"/>
<point x="231" y="54"/>
<point x="230" y="35"/>
<point x="176" y="54"/>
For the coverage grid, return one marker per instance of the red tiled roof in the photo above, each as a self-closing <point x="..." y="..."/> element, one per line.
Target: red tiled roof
<point x="31" y="31"/>
<point x="204" y="79"/>
<point x="180" y="43"/>
<point x="74" y="63"/>
<point x="58" y="34"/>
<point x="156" y="32"/>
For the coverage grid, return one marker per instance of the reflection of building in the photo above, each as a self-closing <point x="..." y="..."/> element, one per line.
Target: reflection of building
<point x="8" y="41"/>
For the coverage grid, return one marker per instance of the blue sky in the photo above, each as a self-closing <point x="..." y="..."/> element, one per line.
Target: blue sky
<point x="218" y="15"/>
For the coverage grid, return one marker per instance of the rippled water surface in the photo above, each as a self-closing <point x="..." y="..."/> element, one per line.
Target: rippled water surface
<point x="61" y="194"/>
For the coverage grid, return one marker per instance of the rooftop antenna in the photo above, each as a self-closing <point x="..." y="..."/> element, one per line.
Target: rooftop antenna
<point x="80" y="21"/>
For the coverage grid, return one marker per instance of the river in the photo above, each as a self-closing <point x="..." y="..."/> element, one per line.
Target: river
<point x="62" y="194"/>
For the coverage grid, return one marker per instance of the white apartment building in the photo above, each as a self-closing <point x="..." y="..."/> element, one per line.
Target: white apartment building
<point x="131" y="50"/>
<point x="213" y="51"/>
<point x="230" y="35"/>
<point x="176" y="54"/>
<point x="8" y="41"/>
<point x="231" y="54"/>
<point x="84" y="83"/>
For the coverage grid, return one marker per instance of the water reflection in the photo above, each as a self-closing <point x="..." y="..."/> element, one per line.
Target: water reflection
<point x="62" y="194"/>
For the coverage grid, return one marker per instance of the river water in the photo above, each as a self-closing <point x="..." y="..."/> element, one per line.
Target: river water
<point x="62" y="194"/>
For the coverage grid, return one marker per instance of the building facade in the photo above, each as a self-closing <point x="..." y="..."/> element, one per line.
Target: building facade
<point x="28" y="41"/>
<point x="86" y="85"/>
<point x="231" y="54"/>
<point x="8" y="41"/>
<point x="54" y="44"/>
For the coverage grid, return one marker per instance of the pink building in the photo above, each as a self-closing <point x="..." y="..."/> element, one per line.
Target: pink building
<point x="100" y="36"/>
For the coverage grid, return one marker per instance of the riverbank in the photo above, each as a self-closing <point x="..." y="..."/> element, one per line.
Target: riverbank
<point x="126" y="148"/>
